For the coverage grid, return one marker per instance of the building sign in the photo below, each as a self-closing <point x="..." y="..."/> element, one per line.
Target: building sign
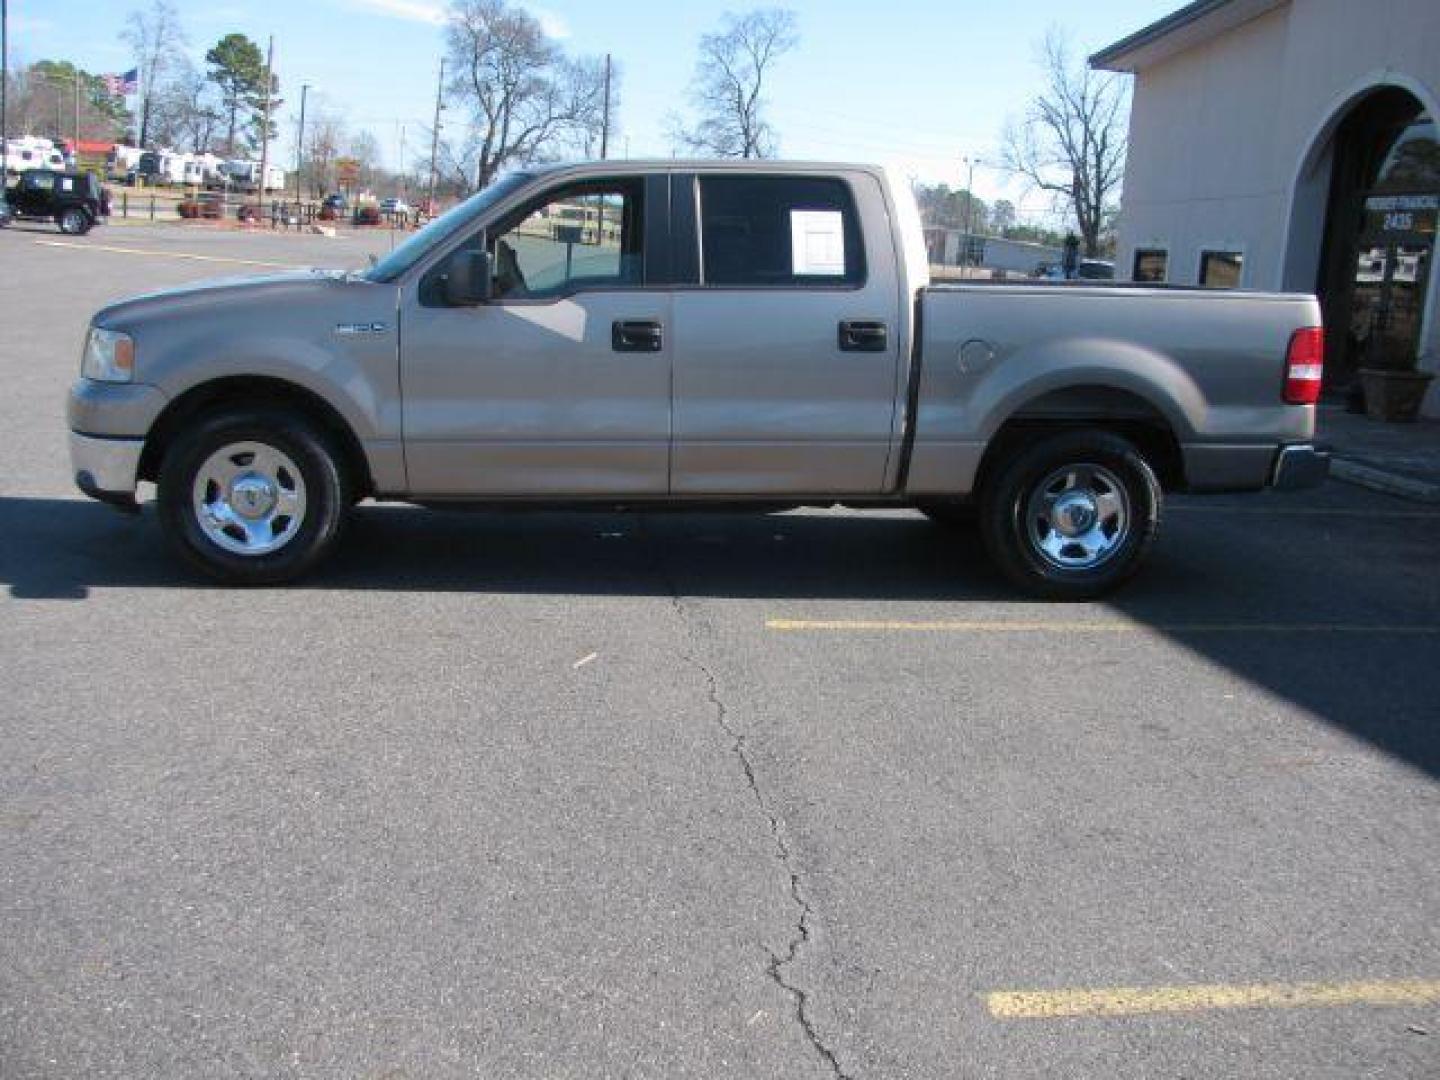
<point x="347" y="171"/>
<point x="1410" y="215"/>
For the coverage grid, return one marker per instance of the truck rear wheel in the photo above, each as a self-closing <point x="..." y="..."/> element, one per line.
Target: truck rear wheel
<point x="253" y="496"/>
<point x="74" y="221"/>
<point x="1071" y="517"/>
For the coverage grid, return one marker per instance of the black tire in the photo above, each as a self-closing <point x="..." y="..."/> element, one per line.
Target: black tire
<point x="1016" y="527"/>
<point x="324" y="487"/>
<point x="74" y="221"/>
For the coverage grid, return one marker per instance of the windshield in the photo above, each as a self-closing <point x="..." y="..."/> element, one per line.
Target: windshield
<point x="411" y="251"/>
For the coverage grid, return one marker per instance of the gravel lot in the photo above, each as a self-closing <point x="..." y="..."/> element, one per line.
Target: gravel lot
<point x="553" y="795"/>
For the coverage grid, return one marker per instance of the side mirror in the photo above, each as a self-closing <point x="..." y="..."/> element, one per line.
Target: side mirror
<point x="467" y="278"/>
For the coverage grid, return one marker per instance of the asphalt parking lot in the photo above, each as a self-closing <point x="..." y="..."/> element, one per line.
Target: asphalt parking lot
<point x="799" y="795"/>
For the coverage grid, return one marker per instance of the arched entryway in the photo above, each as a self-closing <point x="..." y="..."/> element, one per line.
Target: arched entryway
<point x="1376" y="171"/>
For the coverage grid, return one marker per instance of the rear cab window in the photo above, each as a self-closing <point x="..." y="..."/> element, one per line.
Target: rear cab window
<point x="779" y="232"/>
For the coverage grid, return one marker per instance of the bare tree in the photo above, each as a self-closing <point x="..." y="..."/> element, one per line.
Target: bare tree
<point x="364" y="147"/>
<point x="186" y="113"/>
<point x="157" y="37"/>
<point x="526" y="99"/>
<point x="1072" y="140"/>
<point x="730" y="81"/>
<point x="324" y="136"/>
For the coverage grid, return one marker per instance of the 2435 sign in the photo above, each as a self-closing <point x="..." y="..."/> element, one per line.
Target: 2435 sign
<point x="1409" y="214"/>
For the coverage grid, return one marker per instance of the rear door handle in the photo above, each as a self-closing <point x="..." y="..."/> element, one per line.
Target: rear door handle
<point x="636" y="335"/>
<point x="864" y="335"/>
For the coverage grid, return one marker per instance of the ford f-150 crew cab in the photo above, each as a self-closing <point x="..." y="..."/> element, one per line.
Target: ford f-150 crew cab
<point x="680" y="333"/>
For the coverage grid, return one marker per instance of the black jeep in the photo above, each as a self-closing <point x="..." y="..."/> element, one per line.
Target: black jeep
<point x="73" y="200"/>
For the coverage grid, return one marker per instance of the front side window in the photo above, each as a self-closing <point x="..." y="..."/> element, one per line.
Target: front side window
<point x="586" y="236"/>
<point x="1150" y="265"/>
<point x="779" y="231"/>
<point x="1221" y="269"/>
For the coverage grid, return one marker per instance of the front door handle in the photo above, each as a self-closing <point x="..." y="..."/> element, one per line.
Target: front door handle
<point x="636" y="335"/>
<point x="864" y="335"/>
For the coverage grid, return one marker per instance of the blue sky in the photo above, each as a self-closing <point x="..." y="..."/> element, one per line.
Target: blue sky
<point x="915" y="82"/>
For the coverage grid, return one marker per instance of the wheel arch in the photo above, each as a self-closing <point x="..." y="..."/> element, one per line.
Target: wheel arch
<point x="1094" y="405"/>
<point x="254" y="391"/>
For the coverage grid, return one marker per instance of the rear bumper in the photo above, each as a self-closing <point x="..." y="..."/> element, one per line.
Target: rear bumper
<point x="1300" y="466"/>
<point x="106" y="468"/>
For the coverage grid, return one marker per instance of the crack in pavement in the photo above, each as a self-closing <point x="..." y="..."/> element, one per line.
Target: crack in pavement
<point x="776" y="968"/>
<point x="778" y="964"/>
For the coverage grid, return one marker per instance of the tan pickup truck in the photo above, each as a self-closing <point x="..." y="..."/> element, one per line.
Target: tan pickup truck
<point x="666" y="334"/>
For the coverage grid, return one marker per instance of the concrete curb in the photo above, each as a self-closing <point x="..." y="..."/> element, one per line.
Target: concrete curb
<point x="1367" y="476"/>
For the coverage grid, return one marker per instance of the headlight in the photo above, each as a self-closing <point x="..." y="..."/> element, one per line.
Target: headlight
<point x="109" y="356"/>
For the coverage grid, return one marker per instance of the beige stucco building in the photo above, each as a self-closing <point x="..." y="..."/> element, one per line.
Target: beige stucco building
<point x="1291" y="144"/>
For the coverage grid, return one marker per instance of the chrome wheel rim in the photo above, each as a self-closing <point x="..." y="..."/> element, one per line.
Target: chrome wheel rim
<point x="71" y="220"/>
<point x="249" y="498"/>
<point x="1078" y="517"/>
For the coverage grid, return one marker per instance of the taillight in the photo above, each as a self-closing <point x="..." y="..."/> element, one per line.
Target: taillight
<point x="1304" y="366"/>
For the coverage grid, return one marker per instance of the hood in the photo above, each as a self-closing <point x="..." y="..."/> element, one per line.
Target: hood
<point x="217" y="296"/>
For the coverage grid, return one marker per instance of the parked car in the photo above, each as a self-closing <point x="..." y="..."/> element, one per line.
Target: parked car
<point x="394" y="206"/>
<point x="1095" y="270"/>
<point x="74" y="201"/>
<point x="337" y="202"/>
<point x="752" y="334"/>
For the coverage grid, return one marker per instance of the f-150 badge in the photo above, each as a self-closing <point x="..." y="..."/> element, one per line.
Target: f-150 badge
<point x="360" y="328"/>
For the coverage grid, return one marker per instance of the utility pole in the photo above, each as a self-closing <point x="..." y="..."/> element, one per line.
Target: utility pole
<point x="4" y="86"/>
<point x="404" y="187"/>
<point x="605" y="120"/>
<point x="969" y="204"/>
<point x="265" y="125"/>
<point x="300" y="143"/>
<point x="435" y="138"/>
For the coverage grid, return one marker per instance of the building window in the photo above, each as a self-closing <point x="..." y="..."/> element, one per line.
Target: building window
<point x="1221" y="269"/>
<point x="1150" y="265"/>
<point x="779" y="231"/>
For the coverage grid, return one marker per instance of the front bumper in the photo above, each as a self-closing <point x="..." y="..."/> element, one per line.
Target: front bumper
<point x="1300" y="466"/>
<point x="106" y="468"/>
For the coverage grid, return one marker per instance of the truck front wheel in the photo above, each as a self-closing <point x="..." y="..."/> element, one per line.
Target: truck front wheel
<point x="252" y="497"/>
<point x="1071" y="517"/>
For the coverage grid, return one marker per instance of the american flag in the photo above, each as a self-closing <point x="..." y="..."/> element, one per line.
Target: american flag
<point x="121" y="85"/>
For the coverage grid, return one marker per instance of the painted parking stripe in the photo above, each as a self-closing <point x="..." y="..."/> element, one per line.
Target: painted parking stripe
<point x="1080" y="626"/>
<point x="171" y="254"/>
<point x="1137" y="1001"/>
<point x="1304" y="511"/>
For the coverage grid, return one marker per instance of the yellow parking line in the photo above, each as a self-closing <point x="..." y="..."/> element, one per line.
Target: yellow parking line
<point x="1134" y="1001"/>
<point x="1301" y="511"/>
<point x="1080" y="626"/>
<point x="171" y="254"/>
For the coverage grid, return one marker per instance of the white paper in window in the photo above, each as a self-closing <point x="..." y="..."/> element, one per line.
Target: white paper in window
<point x="817" y="243"/>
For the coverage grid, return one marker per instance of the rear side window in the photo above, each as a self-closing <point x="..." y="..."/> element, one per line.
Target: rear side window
<point x="779" y="232"/>
<point x="1221" y="269"/>
<point x="1151" y="265"/>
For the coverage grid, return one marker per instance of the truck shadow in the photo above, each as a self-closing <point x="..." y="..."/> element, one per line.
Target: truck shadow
<point x="59" y="549"/>
<point x="1308" y="616"/>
